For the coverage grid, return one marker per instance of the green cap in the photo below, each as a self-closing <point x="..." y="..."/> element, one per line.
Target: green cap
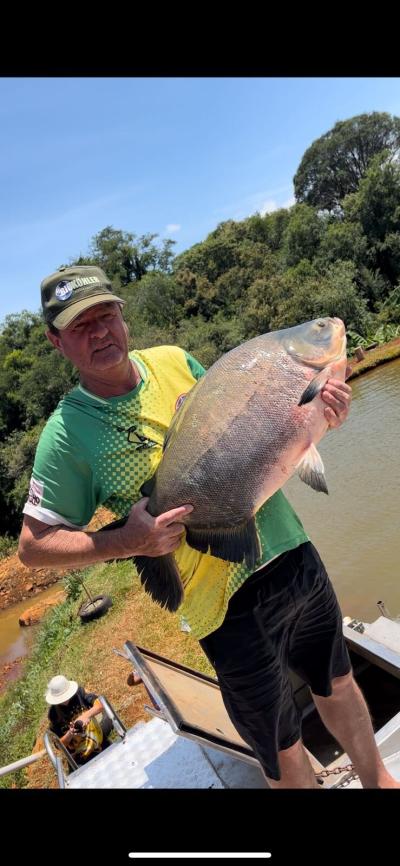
<point x="70" y="291"/>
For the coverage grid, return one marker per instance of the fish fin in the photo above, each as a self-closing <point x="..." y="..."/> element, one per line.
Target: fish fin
<point x="147" y="487"/>
<point x="311" y="470"/>
<point x="179" y="415"/>
<point x="233" y="545"/>
<point x="314" y="387"/>
<point x="160" y="578"/>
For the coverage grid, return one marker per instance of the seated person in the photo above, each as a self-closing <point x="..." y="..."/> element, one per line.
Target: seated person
<point x="70" y="714"/>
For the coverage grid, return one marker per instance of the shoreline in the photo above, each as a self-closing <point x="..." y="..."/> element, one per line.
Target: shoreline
<point x="375" y="358"/>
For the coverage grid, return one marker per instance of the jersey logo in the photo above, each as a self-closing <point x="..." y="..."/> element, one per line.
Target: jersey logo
<point x="181" y="399"/>
<point x="35" y="494"/>
<point x="137" y="439"/>
<point x="65" y="288"/>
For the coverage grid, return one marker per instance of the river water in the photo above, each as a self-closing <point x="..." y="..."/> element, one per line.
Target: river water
<point x="16" y="640"/>
<point x="356" y="528"/>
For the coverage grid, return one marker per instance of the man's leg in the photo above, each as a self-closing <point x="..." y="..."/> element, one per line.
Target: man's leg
<point x="346" y="716"/>
<point x="295" y="768"/>
<point x="249" y="654"/>
<point x="318" y="654"/>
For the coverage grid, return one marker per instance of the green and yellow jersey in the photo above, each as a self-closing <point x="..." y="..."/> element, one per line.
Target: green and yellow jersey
<point x="95" y="451"/>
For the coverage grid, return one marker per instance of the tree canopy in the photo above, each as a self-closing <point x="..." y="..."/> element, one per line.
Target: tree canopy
<point x="334" y="164"/>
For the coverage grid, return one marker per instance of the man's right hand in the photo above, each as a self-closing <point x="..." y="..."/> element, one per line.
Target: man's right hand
<point x="144" y="535"/>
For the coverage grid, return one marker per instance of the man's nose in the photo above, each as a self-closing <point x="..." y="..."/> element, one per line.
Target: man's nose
<point x="98" y="329"/>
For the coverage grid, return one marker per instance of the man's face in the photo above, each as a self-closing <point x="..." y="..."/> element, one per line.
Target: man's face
<point x="95" y="341"/>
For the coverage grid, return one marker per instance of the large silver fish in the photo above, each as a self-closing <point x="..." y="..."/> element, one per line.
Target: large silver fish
<point x="243" y="430"/>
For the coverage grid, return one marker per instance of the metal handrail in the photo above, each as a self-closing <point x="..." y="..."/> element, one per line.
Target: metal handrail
<point x="118" y="726"/>
<point x="22" y="762"/>
<point x="55" y="759"/>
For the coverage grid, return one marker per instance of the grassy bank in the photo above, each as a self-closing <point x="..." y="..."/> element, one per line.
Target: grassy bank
<point x="375" y="357"/>
<point x="84" y="653"/>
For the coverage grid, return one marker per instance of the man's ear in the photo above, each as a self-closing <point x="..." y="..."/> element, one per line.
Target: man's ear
<point x="55" y="341"/>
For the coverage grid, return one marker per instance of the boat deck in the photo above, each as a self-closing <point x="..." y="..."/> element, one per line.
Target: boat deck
<point x="152" y="756"/>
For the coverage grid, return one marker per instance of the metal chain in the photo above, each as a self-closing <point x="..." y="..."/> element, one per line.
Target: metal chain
<point x="322" y="774"/>
<point x="347" y="780"/>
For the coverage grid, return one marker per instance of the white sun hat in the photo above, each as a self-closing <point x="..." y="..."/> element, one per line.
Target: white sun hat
<point x="59" y="689"/>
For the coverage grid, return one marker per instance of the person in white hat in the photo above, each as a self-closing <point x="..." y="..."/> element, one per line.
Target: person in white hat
<point x="71" y="704"/>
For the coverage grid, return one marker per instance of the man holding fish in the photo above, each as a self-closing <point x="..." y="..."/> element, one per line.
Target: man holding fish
<point x="196" y="482"/>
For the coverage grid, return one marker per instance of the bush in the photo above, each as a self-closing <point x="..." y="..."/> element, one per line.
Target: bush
<point x="8" y="546"/>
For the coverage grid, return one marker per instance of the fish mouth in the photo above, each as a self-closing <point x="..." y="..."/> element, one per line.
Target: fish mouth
<point x="342" y="333"/>
<point x="339" y="323"/>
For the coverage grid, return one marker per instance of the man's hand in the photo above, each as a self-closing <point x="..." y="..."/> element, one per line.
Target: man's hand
<point x="337" y="395"/>
<point x="85" y="717"/>
<point x="134" y="679"/>
<point x="145" y="535"/>
<point x="77" y="727"/>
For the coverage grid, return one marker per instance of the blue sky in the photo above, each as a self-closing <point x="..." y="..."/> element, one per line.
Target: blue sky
<point x="173" y="156"/>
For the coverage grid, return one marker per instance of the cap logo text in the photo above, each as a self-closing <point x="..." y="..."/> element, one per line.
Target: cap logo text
<point x="64" y="289"/>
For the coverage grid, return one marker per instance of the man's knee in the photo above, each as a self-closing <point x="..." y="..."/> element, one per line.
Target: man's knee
<point x="340" y="684"/>
<point x="291" y="751"/>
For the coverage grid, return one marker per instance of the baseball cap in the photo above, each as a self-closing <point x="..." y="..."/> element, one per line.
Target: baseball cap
<point x="71" y="290"/>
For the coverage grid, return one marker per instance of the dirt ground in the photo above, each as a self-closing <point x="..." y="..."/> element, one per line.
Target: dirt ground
<point x="18" y="582"/>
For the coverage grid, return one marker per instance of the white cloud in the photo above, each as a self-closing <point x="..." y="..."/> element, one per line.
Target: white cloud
<point x="290" y="202"/>
<point x="268" y="207"/>
<point x="271" y="204"/>
<point x="261" y="202"/>
<point x="173" y="227"/>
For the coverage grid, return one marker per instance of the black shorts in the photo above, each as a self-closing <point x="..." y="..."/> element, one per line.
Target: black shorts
<point x="284" y="616"/>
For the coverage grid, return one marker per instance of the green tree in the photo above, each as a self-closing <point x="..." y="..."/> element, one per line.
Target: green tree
<point x="376" y="208"/>
<point x="343" y="240"/>
<point x="126" y="258"/>
<point x="33" y="377"/>
<point x="302" y="235"/>
<point x="338" y="295"/>
<point x="17" y="454"/>
<point x="335" y="163"/>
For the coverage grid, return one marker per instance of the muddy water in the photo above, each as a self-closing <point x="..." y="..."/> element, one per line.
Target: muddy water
<point x="15" y="640"/>
<point x="357" y="527"/>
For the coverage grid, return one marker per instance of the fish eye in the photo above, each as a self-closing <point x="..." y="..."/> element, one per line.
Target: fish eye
<point x="320" y="323"/>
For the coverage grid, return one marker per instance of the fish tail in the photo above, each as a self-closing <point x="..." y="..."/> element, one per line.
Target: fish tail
<point x="160" y="578"/>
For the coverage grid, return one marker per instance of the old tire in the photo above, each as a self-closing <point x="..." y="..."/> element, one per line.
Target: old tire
<point x="94" y="609"/>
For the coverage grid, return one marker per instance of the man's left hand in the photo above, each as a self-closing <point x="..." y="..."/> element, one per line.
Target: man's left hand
<point x="337" y="395"/>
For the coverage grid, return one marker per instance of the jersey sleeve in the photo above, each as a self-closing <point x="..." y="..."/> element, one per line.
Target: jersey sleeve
<point x="194" y="366"/>
<point x="61" y="488"/>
